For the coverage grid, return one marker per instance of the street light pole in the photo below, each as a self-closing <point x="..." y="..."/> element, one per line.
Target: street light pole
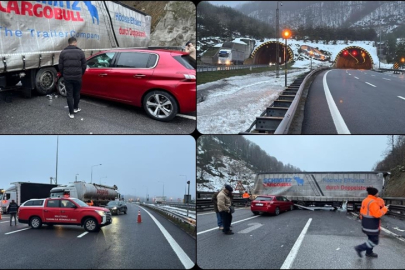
<point x="76" y="176"/>
<point x="188" y="196"/>
<point x="277" y="44"/>
<point x="92" y="171"/>
<point x="286" y="35"/>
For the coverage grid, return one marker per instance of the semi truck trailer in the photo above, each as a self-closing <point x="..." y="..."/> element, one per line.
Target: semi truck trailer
<point x="320" y="189"/>
<point x="24" y="191"/>
<point x="33" y="34"/>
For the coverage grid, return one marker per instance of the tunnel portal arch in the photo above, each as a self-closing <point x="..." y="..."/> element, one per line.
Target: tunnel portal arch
<point x="354" y="57"/>
<point x="265" y="53"/>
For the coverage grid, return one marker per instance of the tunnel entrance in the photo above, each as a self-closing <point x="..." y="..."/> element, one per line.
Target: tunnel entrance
<point x="354" y="57"/>
<point x="266" y="53"/>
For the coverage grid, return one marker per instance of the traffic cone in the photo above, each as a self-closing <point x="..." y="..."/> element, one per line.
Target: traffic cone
<point x="139" y="216"/>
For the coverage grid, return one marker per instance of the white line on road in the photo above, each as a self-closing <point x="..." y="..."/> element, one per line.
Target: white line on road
<point x="18" y="231"/>
<point x="373" y="75"/>
<point x="294" y="251"/>
<point x="371" y="84"/>
<point x="350" y="74"/>
<point x="356" y="77"/>
<point x="253" y="226"/>
<point x="336" y="116"/>
<point x="4" y="221"/>
<point x="83" y="234"/>
<point x="187" y="116"/>
<point x="401" y="97"/>
<point x="232" y="223"/>
<point x="185" y="260"/>
<point x="386" y="79"/>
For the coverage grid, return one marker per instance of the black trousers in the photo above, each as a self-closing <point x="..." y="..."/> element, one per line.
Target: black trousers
<point x="226" y="220"/>
<point x="73" y="94"/>
<point x="369" y="244"/>
<point x="15" y="218"/>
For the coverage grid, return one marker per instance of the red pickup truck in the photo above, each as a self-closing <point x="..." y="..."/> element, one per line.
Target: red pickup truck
<point x="63" y="211"/>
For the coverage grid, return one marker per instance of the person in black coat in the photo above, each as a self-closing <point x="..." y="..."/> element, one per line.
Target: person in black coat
<point x="12" y="209"/>
<point x="72" y="65"/>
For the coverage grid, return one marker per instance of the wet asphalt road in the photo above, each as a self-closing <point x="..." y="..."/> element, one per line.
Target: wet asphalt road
<point x="39" y="115"/>
<point x="124" y="244"/>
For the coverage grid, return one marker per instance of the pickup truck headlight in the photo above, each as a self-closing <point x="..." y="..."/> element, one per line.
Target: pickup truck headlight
<point x="101" y="213"/>
<point x="114" y="208"/>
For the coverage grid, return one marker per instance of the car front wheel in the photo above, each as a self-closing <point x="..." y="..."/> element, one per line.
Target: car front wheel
<point x="61" y="87"/>
<point x="160" y="105"/>
<point x="277" y="212"/>
<point x="90" y="225"/>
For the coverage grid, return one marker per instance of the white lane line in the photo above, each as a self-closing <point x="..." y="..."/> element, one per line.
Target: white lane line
<point x="206" y="214"/>
<point x="371" y="84"/>
<point x="185" y="260"/>
<point x="350" y="74"/>
<point x="83" y="234"/>
<point x="187" y="116"/>
<point x="18" y="231"/>
<point x="216" y="228"/>
<point x="336" y="116"/>
<point x="373" y="75"/>
<point x="386" y="79"/>
<point x="294" y="251"/>
<point x="356" y="78"/>
<point x="401" y="97"/>
<point x="4" y="221"/>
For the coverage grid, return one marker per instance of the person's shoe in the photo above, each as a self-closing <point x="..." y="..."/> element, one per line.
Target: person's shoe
<point x="358" y="251"/>
<point x="71" y="116"/>
<point x="229" y="233"/>
<point x="77" y="110"/>
<point x="221" y="228"/>
<point x="372" y="255"/>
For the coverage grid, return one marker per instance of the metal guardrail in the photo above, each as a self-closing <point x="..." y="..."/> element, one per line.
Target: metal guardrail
<point x="189" y="220"/>
<point x="231" y="67"/>
<point x="397" y="70"/>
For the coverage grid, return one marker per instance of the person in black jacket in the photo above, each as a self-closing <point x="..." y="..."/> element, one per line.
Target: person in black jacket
<point x="12" y="209"/>
<point x="72" y="65"/>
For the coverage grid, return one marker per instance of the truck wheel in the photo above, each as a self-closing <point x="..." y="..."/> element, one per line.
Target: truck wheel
<point x="61" y="87"/>
<point x="91" y="225"/>
<point x="35" y="222"/>
<point x="277" y="212"/>
<point x="45" y="80"/>
<point x="160" y="106"/>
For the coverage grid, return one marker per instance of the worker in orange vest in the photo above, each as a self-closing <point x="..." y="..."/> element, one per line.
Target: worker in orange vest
<point x="246" y="197"/>
<point x="370" y="213"/>
<point x="90" y="203"/>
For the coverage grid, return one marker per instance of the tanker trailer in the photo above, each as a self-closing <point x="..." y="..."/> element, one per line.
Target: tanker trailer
<point x="99" y="194"/>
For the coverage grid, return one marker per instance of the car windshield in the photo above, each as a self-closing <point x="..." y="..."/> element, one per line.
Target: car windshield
<point x="112" y="203"/>
<point x="187" y="61"/>
<point x="264" y="198"/>
<point x="79" y="202"/>
<point x="223" y="54"/>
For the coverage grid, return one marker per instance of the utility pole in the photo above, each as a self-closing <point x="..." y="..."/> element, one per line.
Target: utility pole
<point x="379" y="45"/>
<point x="57" y="148"/>
<point x="277" y="44"/>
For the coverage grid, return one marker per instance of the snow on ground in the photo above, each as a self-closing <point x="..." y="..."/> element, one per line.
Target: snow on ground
<point x="232" y="104"/>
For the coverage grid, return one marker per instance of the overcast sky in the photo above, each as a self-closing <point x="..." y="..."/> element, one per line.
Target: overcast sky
<point x="325" y="153"/>
<point x="134" y="164"/>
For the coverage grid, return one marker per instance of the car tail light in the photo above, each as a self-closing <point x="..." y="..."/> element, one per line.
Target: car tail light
<point x="189" y="78"/>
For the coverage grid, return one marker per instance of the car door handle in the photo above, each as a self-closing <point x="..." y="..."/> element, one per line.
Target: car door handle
<point x="45" y="210"/>
<point x="63" y="211"/>
<point x="139" y="75"/>
<point x="102" y="75"/>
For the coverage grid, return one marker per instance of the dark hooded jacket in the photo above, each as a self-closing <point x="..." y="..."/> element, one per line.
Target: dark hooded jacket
<point x="72" y="63"/>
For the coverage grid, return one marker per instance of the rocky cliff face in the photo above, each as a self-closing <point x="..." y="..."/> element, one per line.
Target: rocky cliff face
<point x="177" y="26"/>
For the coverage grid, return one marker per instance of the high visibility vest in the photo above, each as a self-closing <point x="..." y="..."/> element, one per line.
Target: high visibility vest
<point x="370" y="220"/>
<point x="246" y="195"/>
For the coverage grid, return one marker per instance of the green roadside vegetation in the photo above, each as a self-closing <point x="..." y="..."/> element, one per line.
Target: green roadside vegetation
<point x="212" y="76"/>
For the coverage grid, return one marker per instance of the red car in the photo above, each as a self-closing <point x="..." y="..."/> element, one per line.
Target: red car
<point x="163" y="82"/>
<point x="63" y="211"/>
<point x="270" y="204"/>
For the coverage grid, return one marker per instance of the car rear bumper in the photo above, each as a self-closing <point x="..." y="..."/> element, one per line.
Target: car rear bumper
<point x="270" y="209"/>
<point x="186" y="95"/>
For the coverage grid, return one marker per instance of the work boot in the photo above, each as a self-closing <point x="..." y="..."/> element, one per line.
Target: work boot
<point x="358" y="251"/>
<point x="372" y="255"/>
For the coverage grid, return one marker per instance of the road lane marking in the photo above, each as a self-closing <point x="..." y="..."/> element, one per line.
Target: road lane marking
<point x="356" y="77"/>
<point x="83" y="234"/>
<point x="386" y="79"/>
<point x="340" y="124"/>
<point x="371" y="84"/>
<point x="18" y="231"/>
<point x="216" y="228"/>
<point x="187" y="116"/>
<point x="253" y="226"/>
<point x="294" y="251"/>
<point x="373" y="75"/>
<point x="185" y="260"/>
<point x="4" y="221"/>
<point x="350" y="74"/>
<point x="401" y="97"/>
<point x="205" y="214"/>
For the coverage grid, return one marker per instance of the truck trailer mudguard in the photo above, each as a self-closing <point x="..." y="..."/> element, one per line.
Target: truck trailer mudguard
<point x="33" y="33"/>
<point x="318" y="186"/>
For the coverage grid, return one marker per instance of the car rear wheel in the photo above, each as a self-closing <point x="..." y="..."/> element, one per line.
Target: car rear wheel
<point x="90" y="225"/>
<point x="277" y="212"/>
<point x="160" y="105"/>
<point x="61" y="87"/>
<point x="35" y="222"/>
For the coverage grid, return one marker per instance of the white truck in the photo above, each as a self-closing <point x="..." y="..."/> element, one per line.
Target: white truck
<point x="23" y="191"/>
<point x="319" y="189"/>
<point x="99" y="194"/>
<point x="33" y="34"/>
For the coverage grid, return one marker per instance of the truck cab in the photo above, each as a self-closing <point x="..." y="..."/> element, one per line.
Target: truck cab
<point x="5" y="198"/>
<point x="225" y="57"/>
<point x="63" y="211"/>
